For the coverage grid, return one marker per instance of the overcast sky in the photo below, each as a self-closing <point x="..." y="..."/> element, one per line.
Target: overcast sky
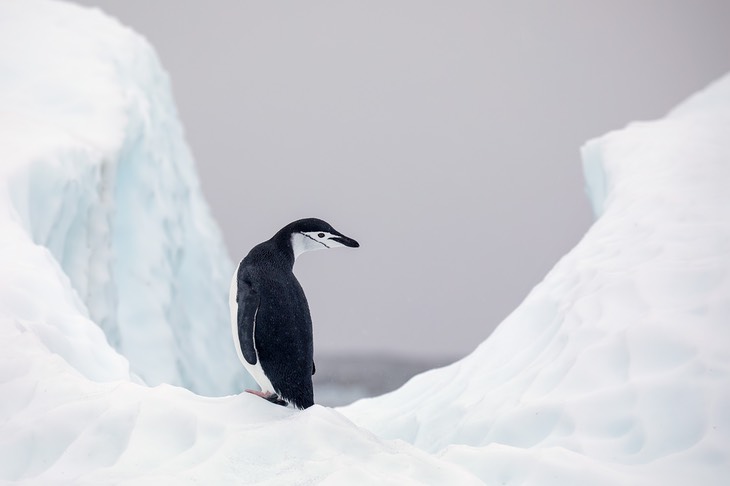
<point x="443" y="136"/>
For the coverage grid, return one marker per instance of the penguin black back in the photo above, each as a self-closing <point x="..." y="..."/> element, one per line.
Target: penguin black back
<point x="271" y="322"/>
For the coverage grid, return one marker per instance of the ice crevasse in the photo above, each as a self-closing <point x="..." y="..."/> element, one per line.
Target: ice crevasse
<point x="614" y="370"/>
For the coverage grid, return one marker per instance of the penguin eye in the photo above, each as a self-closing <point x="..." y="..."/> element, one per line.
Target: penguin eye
<point x="321" y="235"/>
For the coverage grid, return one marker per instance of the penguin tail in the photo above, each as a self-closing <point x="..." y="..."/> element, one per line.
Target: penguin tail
<point x="302" y="402"/>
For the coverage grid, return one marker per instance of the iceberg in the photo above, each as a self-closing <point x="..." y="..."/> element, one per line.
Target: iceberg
<point x="619" y="361"/>
<point x="113" y="322"/>
<point x="99" y="175"/>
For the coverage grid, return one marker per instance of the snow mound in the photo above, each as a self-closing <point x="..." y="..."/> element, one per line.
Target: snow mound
<point x="96" y="171"/>
<point x="102" y="222"/>
<point x="614" y="370"/>
<point x="620" y="358"/>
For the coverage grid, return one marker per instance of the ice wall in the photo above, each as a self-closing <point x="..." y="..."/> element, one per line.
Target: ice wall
<point x="621" y="356"/>
<point x="105" y="181"/>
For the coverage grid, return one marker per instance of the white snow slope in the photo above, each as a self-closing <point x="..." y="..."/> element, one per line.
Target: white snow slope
<point x="619" y="361"/>
<point x="615" y="369"/>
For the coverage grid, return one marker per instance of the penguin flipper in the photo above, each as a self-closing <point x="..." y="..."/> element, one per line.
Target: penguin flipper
<point x="314" y="368"/>
<point x="248" y="306"/>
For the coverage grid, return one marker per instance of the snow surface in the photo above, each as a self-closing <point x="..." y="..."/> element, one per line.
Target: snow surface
<point x="614" y="370"/>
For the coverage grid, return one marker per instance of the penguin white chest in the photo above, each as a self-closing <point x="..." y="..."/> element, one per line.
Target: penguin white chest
<point x="255" y="370"/>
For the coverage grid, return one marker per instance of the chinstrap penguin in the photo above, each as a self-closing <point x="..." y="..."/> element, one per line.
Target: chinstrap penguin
<point x="270" y="320"/>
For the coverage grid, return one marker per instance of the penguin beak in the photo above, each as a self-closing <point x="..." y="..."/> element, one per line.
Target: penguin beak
<point x="344" y="240"/>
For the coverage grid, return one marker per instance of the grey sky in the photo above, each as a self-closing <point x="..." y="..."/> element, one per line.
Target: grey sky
<point x="443" y="136"/>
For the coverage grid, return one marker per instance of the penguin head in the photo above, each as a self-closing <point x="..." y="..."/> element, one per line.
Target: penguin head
<point x="314" y="234"/>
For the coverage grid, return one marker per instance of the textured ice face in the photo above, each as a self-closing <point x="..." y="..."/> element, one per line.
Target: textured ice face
<point x="105" y="181"/>
<point x="614" y="370"/>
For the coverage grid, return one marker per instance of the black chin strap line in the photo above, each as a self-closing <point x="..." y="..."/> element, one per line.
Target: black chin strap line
<point x="317" y="241"/>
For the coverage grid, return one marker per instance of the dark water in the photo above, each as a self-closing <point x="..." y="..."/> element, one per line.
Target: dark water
<point x="341" y="380"/>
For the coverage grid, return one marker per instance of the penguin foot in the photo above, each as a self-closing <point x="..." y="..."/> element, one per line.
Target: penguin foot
<point x="272" y="397"/>
<point x="258" y="393"/>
